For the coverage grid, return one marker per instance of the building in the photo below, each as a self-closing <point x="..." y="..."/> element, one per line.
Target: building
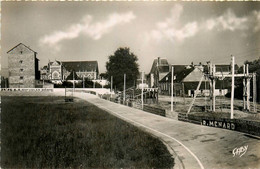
<point x="23" y="67"/>
<point x="187" y="78"/>
<point x="83" y="69"/>
<point x="60" y="71"/>
<point x="191" y="81"/>
<point x="160" y="69"/>
<point x="179" y="72"/>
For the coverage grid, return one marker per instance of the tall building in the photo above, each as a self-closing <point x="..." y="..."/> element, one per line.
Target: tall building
<point x="22" y="67"/>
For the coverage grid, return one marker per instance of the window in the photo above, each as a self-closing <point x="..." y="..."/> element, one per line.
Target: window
<point x="21" y="77"/>
<point x="21" y="52"/>
<point x="21" y="61"/>
<point x="21" y="70"/>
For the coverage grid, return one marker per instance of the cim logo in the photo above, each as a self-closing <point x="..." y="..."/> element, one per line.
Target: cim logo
<point x="219" y="124"/>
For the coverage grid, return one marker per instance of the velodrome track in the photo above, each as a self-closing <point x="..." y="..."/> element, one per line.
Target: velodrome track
<point x="194" y="146"/>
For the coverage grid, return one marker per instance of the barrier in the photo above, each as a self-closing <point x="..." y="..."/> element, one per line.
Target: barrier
<point x="241" y="125"/>
<point x="27" y="89"/>
<point x="95" y="91"/>
<point x="154" y="110"/>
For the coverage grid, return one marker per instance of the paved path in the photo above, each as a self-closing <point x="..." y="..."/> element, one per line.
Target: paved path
<point x="195" y="146"/>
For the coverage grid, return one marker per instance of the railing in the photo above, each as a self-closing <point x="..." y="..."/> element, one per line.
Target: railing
<point x="85" y="90"/>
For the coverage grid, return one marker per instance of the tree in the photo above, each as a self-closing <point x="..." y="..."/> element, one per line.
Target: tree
<point x="120" y="63"/>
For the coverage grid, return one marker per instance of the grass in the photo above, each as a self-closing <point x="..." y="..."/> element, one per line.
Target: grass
<point x="45" y="132"/>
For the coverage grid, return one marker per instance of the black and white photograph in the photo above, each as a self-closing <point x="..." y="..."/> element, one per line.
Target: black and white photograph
<point x="130" y="84"/>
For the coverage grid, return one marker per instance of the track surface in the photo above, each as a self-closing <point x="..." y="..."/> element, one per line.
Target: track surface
<point x="195" y="146"/>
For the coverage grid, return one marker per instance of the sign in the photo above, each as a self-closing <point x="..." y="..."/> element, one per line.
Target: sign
<point x="219" y="124"/>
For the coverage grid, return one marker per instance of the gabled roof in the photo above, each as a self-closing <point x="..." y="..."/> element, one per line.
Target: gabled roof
<point x="80" y="66"/>
<point x="23" y="45"/>
<point x="162" y="65"/>
<point x="53" y="63"/>
<point x="195" y="75"/>
<point x="180" y="71"/>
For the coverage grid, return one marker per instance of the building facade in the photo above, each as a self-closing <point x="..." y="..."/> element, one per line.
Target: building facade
<point x="23" y="67"/>
<point x="160" y="69"/>
<point x="60" y="71"/>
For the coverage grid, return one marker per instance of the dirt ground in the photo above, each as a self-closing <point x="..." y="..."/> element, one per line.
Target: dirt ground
<point x="201" y="104"/>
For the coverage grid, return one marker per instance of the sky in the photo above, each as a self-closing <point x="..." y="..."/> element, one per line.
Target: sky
<point x="181" y="32"/>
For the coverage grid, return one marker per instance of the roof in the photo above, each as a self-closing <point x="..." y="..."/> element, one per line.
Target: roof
<point x="73" y="76"/>
<point x="163" y="69"/>
<point x="23" y="45"/>
<point x="195" y="75"/>
<point x="162" y="64"/>
<point x="55" y="63"/>
<point x="80" y="66"/>
<point x="180" y="71"/>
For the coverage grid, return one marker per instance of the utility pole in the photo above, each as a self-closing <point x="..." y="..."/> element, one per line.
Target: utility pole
<point x="172" y="89"/>
<point x="244" y="87"/>
<point x="124" y="87"/>
<point x="210" y="86"/>
<point x="183" y="93"/>
<point x="142" y="96"/>
<point x="213" y="90"/>
<point x="247" y="88"/>
<point x="73" y="82"/>
<point x="205" y="97"/>
<point x="232" y="87"/>
<point x="254" y="91"/>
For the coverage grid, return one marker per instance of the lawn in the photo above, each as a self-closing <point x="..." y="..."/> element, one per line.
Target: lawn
<point x="46" y="132"/>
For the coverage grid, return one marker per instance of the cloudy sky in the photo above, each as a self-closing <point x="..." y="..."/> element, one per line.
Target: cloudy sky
<point x="182" y="32"/>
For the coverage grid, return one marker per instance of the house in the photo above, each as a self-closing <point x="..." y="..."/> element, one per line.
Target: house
<point x="23" y="67"/>
<point x="187" y="78"/>
<point x="180" y="72"/>
<point x="160" y="69"/>
<point x="191" y="81"/>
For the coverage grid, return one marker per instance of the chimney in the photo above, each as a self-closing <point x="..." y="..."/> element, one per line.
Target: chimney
<point x="159" y="61"/>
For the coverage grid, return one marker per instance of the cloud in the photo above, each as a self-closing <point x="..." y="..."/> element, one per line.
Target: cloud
<point x="173" y="28"/>
<point x="228" y="21"/>
<point x="169" y="27"/>
<point x="256" y="20"/>
<point x="87" y="27"/>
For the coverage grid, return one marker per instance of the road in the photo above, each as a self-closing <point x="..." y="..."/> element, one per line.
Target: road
<point x="193" y="146"/>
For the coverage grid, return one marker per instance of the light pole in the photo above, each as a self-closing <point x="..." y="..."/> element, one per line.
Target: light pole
<point x="172" y="89"/>
<point x="142" y="96"/>
<point x="232" y="87"/>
